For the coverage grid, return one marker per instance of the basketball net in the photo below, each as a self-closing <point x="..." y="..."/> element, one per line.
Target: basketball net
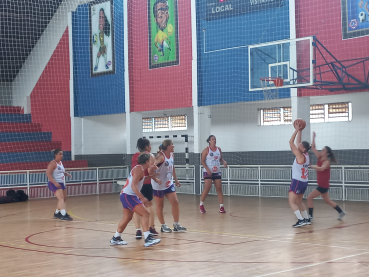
<point x="270" y="86"/>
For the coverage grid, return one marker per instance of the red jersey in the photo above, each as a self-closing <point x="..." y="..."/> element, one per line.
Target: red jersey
<point x="323" y="176"/>
<point x="134" y="162"/>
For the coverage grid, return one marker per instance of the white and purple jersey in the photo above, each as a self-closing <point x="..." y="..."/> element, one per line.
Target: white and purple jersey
<point x="58" y="173"/>
<point x="127" y="189"/>
<point x="165" y="173"/>
<point x="300" y="172"/>
<point x="213" y="160"/>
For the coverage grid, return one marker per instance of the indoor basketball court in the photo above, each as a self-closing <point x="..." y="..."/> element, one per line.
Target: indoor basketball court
<point x="254" y="238"/>
<point x="261" y="102"/>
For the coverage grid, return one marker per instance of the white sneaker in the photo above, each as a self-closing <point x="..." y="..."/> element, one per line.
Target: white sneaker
<point x="150" y="241"/>
<point x="117" y="241"/>
<point x="341" y="215"/>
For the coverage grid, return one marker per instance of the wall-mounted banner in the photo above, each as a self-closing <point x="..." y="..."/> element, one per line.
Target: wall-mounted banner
<point x="102" y="57"/>
<point x="163" y="33"/>
<point x="220" y="8"/>
<point x="355" y="18"/>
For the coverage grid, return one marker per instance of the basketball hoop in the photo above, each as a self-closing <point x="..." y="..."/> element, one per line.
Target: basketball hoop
<point x="270" y="86"/>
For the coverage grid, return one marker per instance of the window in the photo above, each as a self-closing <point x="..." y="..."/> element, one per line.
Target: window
<point x="165" y="123"/>
<point x="332" y="112"/>
<point x="317" y="113"/>
<point x="339" y="112"/>
<point x="276" y="116"/>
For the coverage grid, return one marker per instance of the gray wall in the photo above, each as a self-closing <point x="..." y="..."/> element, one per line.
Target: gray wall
<point x="6" y="96"/>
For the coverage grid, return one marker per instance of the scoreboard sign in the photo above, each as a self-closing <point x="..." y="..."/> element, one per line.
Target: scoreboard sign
<point x="221" y="8"/>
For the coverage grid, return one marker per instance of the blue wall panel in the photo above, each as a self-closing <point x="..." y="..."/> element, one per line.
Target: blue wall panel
<point x="104" y="94"/>
<point x="21" y="157"/>
<point x="36" y="136"/>
<point x="223" y="73"/>
<point x="19" y="118"/>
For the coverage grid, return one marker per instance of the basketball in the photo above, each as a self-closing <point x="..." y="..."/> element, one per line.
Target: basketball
<point x="300" y="122"/>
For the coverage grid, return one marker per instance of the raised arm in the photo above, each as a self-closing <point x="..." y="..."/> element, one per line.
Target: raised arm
<point x="313" y="147"/>
<point x="299" y="156"/>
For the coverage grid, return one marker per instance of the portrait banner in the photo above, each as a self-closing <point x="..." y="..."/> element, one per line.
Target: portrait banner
<point x="102" y="55"/>
<point x="355" y="18"/>
<point x="163" y="33"/>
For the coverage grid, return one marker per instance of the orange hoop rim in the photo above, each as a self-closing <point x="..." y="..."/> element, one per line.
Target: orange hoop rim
<point x="278" y="82"/>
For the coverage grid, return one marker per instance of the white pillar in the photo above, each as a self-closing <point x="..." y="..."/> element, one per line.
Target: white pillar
<point x="134" y="131"/>
<point x="300" y="105"/>
<point x="196" y="123"/>
<point x="71" y="90"/>
<point x="301" y="109"/>
<point x="130" y="144"/>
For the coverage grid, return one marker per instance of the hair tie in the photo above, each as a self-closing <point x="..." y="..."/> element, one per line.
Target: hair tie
<point x="161" y="145"/>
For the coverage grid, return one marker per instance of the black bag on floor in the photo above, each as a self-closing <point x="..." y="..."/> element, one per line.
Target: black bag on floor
<point x="22" y="196"/>
<point x="13" y="195"/>
<point x="5" y="199"/>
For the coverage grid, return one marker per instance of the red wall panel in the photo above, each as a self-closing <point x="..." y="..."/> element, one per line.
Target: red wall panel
<point x="161" y="88"/>
<point x="323" y="19"/>
<point x="50" y="98"/>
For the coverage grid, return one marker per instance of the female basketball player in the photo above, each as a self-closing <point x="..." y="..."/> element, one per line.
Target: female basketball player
<point x="55" y="172"/>
<point x="323" y="172"/>
<point x="211" y="157"/>
<point x="164" y="160"/>
<point x="144" y="146"/>
<point x="132" y="200"/>
<point x="299" y="177"/>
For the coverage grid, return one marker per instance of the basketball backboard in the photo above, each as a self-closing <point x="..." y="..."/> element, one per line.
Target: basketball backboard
<point x="291" y="59"/>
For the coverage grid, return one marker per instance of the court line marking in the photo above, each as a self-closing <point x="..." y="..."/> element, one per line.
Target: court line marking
<point x="306" y="266"/>
<point x="266" y="238"/>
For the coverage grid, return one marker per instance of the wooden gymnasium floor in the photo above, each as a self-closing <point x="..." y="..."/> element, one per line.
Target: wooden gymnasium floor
<point x="254" y="238"/>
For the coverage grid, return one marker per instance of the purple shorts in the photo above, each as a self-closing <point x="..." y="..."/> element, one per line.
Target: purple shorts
<point x="214" y="176"/>
<point x="162" y="193"/>
<point x="298" y="187"/>
<point x="129" y="201"/>
<point x="53" y="188"/>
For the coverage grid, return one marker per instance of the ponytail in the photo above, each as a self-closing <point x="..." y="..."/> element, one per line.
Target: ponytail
<point x="331" y="155"/>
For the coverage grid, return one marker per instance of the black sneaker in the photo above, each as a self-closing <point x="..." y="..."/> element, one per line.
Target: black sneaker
<point x="299" y="223"/>
<point x="57" y="215"/>
<point x="117" y="241"/>
<point x="150" y="241"/>
<point x="138" y="234"/>
<point x="307" y="221"/>
<point x="66" y="217"/>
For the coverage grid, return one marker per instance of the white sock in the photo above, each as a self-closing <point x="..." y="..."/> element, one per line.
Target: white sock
<point x="201" y="203"/>
<point x="163" y="225"/>
<point x="298" y="215"/>
<point x="139" y="229"/>
<point x="305" y="214"/>
<point x="117" y="235"/>
<point x="176" y="224"/>
<point x="146" y="234"/>
<point x="63" y="212"/>
<point x="221" y="205"/>
<point x="57" y="211"/>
